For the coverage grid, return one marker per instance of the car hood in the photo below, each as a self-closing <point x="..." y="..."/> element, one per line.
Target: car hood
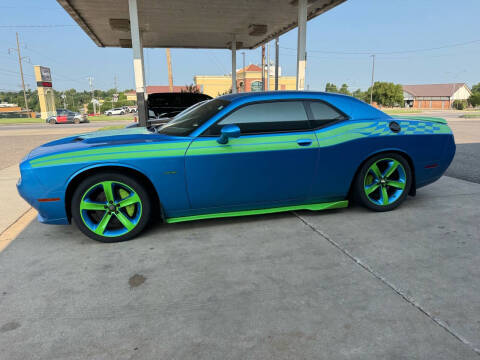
<point x="99" y="139"/>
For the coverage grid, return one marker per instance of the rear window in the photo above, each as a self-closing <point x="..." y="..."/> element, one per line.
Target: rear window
<point x="323" y="113"/>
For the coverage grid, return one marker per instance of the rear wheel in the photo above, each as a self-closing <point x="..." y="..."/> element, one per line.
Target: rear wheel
<point x="76" y="121"/>
<point x="111" y="207"/>
<point x="383" y="182"/>
<point x="52" y="122"/>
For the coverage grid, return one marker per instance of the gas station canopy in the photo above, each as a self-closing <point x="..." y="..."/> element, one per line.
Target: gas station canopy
<point x="191" y="23"/>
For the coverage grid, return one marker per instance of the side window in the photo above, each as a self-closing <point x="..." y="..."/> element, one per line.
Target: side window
<point x="322" y="113"/>
<point x="268" y="117"/>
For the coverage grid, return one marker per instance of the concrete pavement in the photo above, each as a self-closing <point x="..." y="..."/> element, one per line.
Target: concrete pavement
<point x="344" y="284"/>
<point x="13" y="205"/>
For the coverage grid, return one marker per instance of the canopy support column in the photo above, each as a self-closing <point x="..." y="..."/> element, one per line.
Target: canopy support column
<point x="276" y="63"/>
<point x="138" y="67"/>
<point x="301" y="44"/>
<point x="234" y="64"/>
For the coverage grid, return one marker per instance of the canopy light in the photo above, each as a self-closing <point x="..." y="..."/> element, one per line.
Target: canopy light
<point x="239" y="44"/>
<point x="257" y="29"/>
<point x="119" y="24"/>
<point x="125" y="43"/>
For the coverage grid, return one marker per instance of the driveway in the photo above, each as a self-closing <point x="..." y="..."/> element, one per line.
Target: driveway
<point x="342" y="284"/>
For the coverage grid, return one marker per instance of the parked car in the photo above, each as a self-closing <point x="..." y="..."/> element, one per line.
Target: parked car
<point x="238" y="154"/>
<point x="116" y="111"/>
<point x="159" y="121"/>
<point x="167" y="105"/>
<point x="131" y="109"/>
<point x="64" y="116"/>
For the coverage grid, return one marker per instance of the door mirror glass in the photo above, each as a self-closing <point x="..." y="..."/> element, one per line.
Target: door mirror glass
<point x="228" y="131"/>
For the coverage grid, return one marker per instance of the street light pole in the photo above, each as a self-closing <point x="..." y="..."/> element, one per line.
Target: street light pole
<point x="90" y="81"/>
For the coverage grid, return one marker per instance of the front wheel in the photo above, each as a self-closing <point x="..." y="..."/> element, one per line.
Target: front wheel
<point x="111" y="207"/>
<point x="52" y="122"/>
<point x="383" y="182"/>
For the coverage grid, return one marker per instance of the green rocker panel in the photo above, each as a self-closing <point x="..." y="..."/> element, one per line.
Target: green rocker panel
<point x="312" y="207"/>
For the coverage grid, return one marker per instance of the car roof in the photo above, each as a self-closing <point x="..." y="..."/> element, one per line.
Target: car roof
<point x="293" y="93"/>
<point x="351" y="106"/>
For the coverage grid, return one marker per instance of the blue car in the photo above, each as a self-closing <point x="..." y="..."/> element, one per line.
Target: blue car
<point x="239" y="154"/>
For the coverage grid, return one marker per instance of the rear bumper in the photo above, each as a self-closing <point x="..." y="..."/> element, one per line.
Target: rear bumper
<point x="430" y="171"/>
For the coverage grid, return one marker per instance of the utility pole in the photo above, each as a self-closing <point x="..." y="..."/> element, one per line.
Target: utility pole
<point x="64" y="97"/>
<point x="373" y="76"/>
<point x="169" y="65"/>
<point x="115" y="82"/>
<point x="21" y="75"/>
<point x="90" y="82"/>
<point x="263" y="67"/>
<point x="244" y="71"/>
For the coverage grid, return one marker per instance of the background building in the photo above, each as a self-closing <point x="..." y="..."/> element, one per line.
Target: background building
<point x="248" y="79"/>
<point x="132" y="95"/>
<point x="434" y="96"/>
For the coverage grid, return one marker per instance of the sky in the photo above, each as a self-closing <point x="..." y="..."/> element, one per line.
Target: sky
<point x="415" y="42"/>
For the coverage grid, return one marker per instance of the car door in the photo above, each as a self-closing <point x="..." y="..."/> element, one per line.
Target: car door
<point x="61" y="116"/>
<point x="338" y="161"/>
<point x="271" y="164"/>
<point x="70" y="116"/>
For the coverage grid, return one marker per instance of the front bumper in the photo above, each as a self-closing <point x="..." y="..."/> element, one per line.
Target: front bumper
<point x="31" y="189"/>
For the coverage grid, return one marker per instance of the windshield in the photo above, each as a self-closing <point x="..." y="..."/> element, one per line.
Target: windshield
<point x="184" y="124"/>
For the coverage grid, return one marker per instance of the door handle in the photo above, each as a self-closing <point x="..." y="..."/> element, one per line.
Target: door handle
<point x="304" y="142"/>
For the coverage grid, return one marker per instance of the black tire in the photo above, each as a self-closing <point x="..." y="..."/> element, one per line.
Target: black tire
<point x="122" y="113"/>
<point x="76" y="121"/>
<point x="359" y="190"/>
<point x="52" y="122"/>
<point x="86" y="184"/>
<point x="109" y="114"/>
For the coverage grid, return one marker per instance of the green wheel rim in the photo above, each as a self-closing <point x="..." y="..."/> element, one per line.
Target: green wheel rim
<point x="110" y="208"/>
<point x="385" y="181"/>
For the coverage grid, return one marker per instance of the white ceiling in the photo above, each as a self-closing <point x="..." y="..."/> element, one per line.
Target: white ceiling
<point x="191" y="23"/>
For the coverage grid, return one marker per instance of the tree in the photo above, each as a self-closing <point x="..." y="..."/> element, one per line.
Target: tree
<point x="476" y="88"/>
<point x="474" y="99"/>
<point x="331" y="88"/>
<point x="459" y="104"/>
<point x="191" y="89"/>
<point x="344" y="90"/>
<point x="361" y="95"/>
<point x="387" y="93"/>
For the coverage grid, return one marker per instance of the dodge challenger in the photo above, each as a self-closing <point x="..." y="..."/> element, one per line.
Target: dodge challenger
<point x="235" y="155"/>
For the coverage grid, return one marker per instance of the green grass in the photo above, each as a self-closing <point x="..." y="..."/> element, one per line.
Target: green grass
<point x="21" y="121"/>
<point x="112" y="127"/>
<point x="402" y="111"/>
<point x="110" y="118"/>
<point x="42" y="121"/>
<point x="471" y="116"/>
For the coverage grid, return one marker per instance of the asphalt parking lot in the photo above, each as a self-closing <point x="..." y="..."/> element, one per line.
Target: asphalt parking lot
<point x="341" y="284"/>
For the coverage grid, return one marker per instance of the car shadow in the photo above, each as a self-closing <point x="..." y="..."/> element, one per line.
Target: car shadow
<point x="466" y="163"/>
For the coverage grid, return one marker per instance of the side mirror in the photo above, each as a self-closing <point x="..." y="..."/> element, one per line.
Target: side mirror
<point x="228" y="131"/>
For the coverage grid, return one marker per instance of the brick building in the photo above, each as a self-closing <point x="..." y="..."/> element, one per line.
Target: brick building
<point x="434" y="96"/>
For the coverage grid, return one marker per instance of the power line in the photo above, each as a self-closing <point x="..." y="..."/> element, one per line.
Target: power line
<point x="377" y="52"/>
<point x="34" y="26"/>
